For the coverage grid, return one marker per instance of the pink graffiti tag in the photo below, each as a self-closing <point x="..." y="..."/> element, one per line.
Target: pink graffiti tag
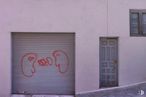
<point x="29" y="61"/>
<point x="58" y="54"/>
<point x="45" y="61"/>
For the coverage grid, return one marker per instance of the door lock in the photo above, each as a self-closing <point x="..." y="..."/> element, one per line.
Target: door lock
<point x="115" y="62"/>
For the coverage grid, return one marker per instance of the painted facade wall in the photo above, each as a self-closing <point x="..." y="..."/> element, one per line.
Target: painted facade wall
<point x="89" y="19"/>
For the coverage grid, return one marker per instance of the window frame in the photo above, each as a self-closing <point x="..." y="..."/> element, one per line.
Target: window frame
<point x="140" y="13"/>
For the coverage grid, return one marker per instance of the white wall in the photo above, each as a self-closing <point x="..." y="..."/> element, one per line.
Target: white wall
<point x="132" y="56"/>
<point x="88" y="19"/>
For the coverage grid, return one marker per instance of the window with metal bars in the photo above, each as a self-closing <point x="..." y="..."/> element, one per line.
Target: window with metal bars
<point x="137" y="22"/>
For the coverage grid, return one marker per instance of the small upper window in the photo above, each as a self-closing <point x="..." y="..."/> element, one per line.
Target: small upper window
<point x="138" y="22"/>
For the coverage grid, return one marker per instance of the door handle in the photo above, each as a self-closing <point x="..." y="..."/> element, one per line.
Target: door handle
<point x="115" y="62"/>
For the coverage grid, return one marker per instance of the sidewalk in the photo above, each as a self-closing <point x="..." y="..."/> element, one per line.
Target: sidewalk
<point x="136" y="90"/>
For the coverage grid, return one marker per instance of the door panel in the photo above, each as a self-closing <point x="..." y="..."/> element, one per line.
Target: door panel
<point x="108" y="62"/>
<point x="43" y="63"/>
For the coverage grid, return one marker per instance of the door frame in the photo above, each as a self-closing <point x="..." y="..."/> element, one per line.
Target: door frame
<point x="117" y="39"/>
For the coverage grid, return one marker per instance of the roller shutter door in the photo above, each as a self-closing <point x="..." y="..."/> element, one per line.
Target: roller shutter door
<point x="43" y="63"/>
